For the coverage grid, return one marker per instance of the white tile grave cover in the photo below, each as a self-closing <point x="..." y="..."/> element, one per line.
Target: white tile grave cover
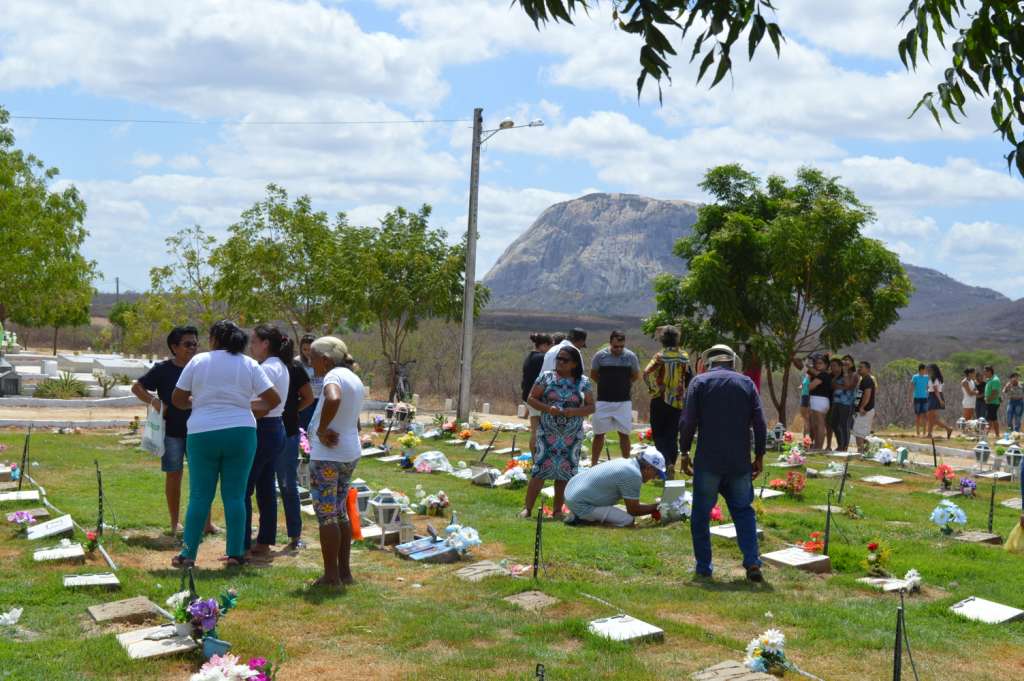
<point x="625" y="628"/>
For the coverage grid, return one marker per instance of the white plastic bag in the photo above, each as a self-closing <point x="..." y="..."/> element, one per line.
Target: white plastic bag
<point x="153" y="432"/>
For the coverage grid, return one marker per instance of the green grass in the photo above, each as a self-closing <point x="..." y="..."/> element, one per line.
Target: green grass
<point x="448" y="629"/>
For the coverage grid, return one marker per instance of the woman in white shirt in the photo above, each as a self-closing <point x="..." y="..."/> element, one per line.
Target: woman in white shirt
<point x="936" y="401"/>
<point x="268" y="347"/>
<point x="970" y="393"/>
<point x="334" y="452"/>
<point x="218" y="386"/>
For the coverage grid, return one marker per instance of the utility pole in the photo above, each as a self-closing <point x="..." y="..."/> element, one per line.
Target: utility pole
<point x="469" y="291"/>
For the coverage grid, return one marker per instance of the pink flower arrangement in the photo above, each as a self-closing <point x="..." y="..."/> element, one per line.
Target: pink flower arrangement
<point x="807" y="440"/>
<point x="304" y="441"/>
<point x="716" y="513"/>
<point x="788" y="437"/>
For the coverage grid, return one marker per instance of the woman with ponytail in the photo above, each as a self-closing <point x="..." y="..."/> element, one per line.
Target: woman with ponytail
<point x="218" y="387"/>
<point x="270" y="349"/>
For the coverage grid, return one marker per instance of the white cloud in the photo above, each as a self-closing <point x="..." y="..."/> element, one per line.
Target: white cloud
<point x="144" y="160"/>
<point x="899" y="180"/>
<point x="184" y="162"/>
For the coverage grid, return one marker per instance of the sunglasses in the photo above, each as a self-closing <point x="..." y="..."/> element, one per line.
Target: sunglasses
<point x="563" y="358"/>
<point x="190" y="344"/>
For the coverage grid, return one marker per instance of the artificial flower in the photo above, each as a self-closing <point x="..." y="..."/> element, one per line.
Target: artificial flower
<point x="873" y="546"/>
<point x="205" y="613"/>
<point x="716" y="513"/>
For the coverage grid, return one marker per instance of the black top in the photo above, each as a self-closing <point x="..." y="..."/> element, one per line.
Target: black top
<point x="722" y="406"/>
<point x="824" y="388"/>
<point x="531" y="370"/>
<point x="297" y="377"/>
<point x="866" y="383"/>
<point x="162" y="377"/>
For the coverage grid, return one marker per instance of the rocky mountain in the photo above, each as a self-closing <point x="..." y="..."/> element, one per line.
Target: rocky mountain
<point x="598" y="254"/>
<point x="594" y="254"/>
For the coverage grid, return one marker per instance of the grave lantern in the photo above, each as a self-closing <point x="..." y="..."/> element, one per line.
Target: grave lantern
<point x="981" y="452"/>
<point x="1014" y="455"/>
<point x="363" y="494"/>
<point x="961" y="424"/>
<point x="779" y="431"/>
<point x="386" y="510"/>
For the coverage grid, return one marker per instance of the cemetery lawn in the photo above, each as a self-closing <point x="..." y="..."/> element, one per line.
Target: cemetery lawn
<point x="408" y="621"/>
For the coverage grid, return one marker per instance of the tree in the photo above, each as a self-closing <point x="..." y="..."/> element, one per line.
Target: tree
<point x="288" y="262"/>
<point x="41" y="232"/>
<point x="150" y="318"/>
<point x="65" y="297"/>
<point x="781" y="268"/>
<point x="986" y="59"/>
<point x="119" y="316"/>
<point x="191" y="276"/>
<point x="409" y="273"/>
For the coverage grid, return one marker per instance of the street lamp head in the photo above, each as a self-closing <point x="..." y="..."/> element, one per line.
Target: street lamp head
<point x="535" y="123"/>
<point x="506" y="123"/>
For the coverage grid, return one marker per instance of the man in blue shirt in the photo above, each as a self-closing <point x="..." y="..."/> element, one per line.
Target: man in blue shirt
<point x="920" y="383"/>
<point x="723" y="405"/>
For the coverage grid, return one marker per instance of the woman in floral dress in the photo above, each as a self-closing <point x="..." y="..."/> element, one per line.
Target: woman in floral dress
<point x="563" y="397"/>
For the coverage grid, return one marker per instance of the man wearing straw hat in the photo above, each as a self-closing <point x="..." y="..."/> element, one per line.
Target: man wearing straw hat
<point x="722" y="406"/>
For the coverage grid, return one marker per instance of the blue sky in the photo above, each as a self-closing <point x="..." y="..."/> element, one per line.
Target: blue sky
<point x="838" y="99"/>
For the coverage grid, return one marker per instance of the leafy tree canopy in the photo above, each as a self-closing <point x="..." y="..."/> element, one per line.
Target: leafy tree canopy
<point x="781" y="268"/>
<point x="191" y="276"/>
<point x="984" y="41"/>
<point x="43" y="277"/>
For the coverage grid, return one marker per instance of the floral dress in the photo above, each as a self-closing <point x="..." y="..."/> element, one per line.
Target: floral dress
<point x="560" y="437"/>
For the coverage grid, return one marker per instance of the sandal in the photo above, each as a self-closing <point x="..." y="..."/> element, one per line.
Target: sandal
<point x="182" y="562"/>
<point x="234" y="561"/>
<point x="524" y="514"/>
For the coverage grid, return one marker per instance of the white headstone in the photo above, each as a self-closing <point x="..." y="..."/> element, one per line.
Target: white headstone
<point x="151" y="642"/>
<point x="393" y="458"/>
<point x="487" y="408"/>
<point x="373" y="451"/>
<point x="768" y="493"/>
<point x="800" y="559"/>
<point x="994" y="475"/>
<point x="23" y="495"/>
<point x="673" y="490"/>
<point x="625" y="628"/>
<point x="882" y="480"/>
<point x="52" y="528"/>
<point x="72" y="553"/>
<point x="989" y="612"/>
<point x="521" y="411"/>
<point x="1012" y="503"/>
<point x="886" y="584"/>
<point x="104" y="579"/>
<point x="728" y="531"/>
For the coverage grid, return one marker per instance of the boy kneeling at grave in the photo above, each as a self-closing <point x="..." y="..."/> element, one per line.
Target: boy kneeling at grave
<point x="592" y="494"/>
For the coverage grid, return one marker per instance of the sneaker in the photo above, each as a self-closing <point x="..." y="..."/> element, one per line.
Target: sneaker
<point x="754" y="574"/>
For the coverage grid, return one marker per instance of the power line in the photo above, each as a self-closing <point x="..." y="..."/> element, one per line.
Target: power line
<point x="157" y="121"/>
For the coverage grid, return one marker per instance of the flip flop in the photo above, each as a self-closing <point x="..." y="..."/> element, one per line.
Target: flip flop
<point x="182" y="562"/>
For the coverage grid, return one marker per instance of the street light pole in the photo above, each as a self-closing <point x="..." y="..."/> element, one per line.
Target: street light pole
<point x="469" y="290"/>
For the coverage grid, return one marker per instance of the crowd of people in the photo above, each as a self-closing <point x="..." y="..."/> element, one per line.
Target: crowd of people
<point x="236" y="419"/>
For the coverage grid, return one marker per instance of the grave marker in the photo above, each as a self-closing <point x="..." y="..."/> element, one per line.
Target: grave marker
<point x="625" y="628"/>
<point x="945" y="492"/>
<point x="989" y="612"/>
<point x="1012" y="503"/>
<point x="730" y="671"/>
<point x="994" y="475"/>
<point x="25" y="458"/>
<point x="800" y="559"/>
<point x="104" y="579"/>
<point x="549" y="492"/>
<point x="393" y="458"/>
<point x="974" y="537"/>
<point x="23" y="495"/>
<point x="151" y="642"/>
<point x="769" y="493"/>
<point x="52" y="528"/>
<point x="8" y="486"/>
<point x="373" y="451"/>
<point x="73" y="553"/>
<point x="882" y="480"/>
<point x="531" y="600"/>
<point x="5" y="473"/>
<point x="132" y="610"/>
<point x="728" y="531"/>
<point x="886" y="584"/>
<point x="481" y="570"/>
<point x="37" y="513"/>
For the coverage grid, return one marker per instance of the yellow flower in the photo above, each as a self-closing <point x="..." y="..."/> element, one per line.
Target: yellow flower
<point x="330" y="473"/>
<point x="327" y="508"/>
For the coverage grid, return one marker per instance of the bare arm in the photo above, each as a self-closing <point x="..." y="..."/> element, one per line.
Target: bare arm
<point x="586" y="410"/>
<point x="268" y="399"/>
<point x="634" y="507"/>
<point x="533" y="399"/>
<point x="145" y="396"/>
<point x="305" y="396"/>
<point x="182" y="399"/>
<point x="331" y="397"/>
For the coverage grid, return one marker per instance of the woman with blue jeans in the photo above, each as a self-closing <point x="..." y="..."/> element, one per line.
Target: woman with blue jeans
<point x="270" y="349"/>
<point x="300" y="396"/>
<point x="218" y="386"/>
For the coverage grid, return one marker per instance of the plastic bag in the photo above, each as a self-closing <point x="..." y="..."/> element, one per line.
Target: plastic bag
<point x="1015" y="542"/>
<point x="153" y="432"/>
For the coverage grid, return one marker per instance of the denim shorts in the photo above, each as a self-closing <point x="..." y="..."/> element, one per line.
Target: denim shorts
<point x="920" y="405"/>
<point x="173" y="460"/>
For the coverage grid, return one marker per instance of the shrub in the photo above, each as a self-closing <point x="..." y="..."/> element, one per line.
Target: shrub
<point x="64" y="387"/>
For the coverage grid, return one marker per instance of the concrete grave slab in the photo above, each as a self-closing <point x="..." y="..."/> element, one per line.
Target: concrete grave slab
<point x="531" y="600"/>
<point x="768" y="493"/>
<point x="886" y="584"/>
<point x="945" y="492"/>
<point x="52" y="528"/>
<point x="785" y="465"/>
<point x="824" y="508"/>
<point x="107" y="580"/>
<point x="728" y="531"/>
<point x="730" y="671"/>
<point x="392" y="458"/>
<point x="1012" y="503"/>
<point x="308" y="510"/>
<point x="5" y="473"/>
<point x="882" y="480"/>
<point x="481" y="570"/>
<point x="507" y="451"/>
<point x="843" y="455"/>
<point x="40" y="512"/>
<point x="974" y="537"/>
<point x="73" y="553"/>
<point x="989" y="612"/>
<point x="453" y="442"/>
<point x="625" y="628"/>
<point x="132" y="610"/>
<point x="476" y="446"/>
<point x="994" y="475"/>
<point x="800" y="559"/>
<point x="132" y="368"/>
<point x="373" y="451"/>
<point x="23" y="495"/>
<point x="8" y="486"/>
<point x="151" y="642"/>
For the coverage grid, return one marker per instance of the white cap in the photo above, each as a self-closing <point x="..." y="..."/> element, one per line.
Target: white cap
<point x="653" y="458"/>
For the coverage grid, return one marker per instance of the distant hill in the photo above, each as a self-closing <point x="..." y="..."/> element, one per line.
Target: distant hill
<point x="597" y="255"/>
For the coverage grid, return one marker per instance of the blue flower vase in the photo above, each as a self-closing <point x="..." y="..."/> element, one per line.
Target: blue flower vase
<point x="214" y="646"/>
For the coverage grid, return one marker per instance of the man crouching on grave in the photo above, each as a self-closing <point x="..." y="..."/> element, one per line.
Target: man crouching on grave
<point x="723" y="405"/>
<point x="592" y="495"/>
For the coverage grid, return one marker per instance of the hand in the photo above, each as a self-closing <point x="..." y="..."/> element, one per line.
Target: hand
<point x="686" y="465"/>
<point x="554" y="411"/>
<point x="329" y="437"/>
<point x="757" y="466"/>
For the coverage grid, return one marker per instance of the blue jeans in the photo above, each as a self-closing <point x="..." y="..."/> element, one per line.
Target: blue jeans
<point x="1014" y="413"/>
<point x="270" y="439"/>
<point x="738" y="491"/>
<point x="288" y="483"/>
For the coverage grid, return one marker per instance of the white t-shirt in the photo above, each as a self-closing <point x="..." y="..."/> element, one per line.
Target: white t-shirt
<point x="345" y="422"/>
<point x="277" y="372"/>
<point x="222" y="386"/>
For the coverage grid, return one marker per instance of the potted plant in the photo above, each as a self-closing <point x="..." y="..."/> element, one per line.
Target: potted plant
<point x="767" y="654"/>
<point x="946" y="515"/>
<point x="944" y="474"/>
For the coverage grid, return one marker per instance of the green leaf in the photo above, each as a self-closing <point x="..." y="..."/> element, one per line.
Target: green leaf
<point x="708" y="60"/>
<point x="724" y="64"/>
<point x="756" y="34"/>
<point x="775" y="33"/>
